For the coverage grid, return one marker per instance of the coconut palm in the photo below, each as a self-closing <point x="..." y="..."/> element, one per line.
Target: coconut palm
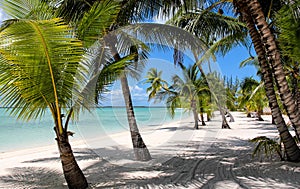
<point x="44" y="66"/>
<point x="156" y="83"/>
<point x="132" y="11"/>
<point x="253" y="96"/>
<point x="287" y="23"/>
<point x="254" y="11"/>
<point x="292" y="150"/>
<point x="88" y="19"/>
<point x="183" y="93"/>
<point x="209" y="26"/>
<point x="39" y="63"/>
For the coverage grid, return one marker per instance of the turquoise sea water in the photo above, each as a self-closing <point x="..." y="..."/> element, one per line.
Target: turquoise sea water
<point x="17" y="135"/>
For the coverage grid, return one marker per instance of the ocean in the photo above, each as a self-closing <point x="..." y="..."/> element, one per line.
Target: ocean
<point x="16" y="134"/>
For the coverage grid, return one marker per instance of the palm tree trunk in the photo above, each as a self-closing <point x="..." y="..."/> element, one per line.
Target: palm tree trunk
<point x="292" y="150"/>
<point x="225" y="124"/>
<point x="205" y="78"/>
<point x="73" y="174"/>
<point x="141" y="151"/>
<point x="231" y="117"/>
<point x="248" y="114"/>
<point x="297" y="95"/>
<point x="202" y="119"/>
<point x="195" y="114"/>
<point x="259" y="113"/>
<point x="208" y="116"/>
<point x="274" y="58"/>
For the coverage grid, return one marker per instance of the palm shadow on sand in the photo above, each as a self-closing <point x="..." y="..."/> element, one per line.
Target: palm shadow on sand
<point x="222" y="164"/>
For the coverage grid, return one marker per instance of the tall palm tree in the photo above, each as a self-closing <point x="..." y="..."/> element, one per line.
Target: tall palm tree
<point x="39" y="63"/>
<point x="156" y="83"/>
<point x="141" y="151"/>
<point x="44" y="66"/>
<point x="208" y="26"/>
<point x="272" y="52"/>
<point x="287" y="22"/>
<point x="183" y="92"/>
<point x="292" y="150"/>
<point x="82" y="14"/>
<point x="131" y="12"/>
<point x="217" y="89"/>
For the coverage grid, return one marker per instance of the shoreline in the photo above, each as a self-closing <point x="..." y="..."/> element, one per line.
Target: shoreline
<point x="182" y="158"/>
<point x="20" y="134"/>
<point x="81" y="142"/>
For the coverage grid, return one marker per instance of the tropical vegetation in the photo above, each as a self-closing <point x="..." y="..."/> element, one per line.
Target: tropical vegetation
<point x="61" y="55"/>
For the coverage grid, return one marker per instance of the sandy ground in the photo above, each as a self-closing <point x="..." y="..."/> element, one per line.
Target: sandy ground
<point x="210" y="157"/>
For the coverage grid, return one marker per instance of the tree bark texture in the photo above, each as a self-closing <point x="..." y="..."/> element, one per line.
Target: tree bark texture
<point x="73" y="174"/>
<point x="274" y="57"/>
<point x="141" y="151"/>
<point x="292" y="150"/>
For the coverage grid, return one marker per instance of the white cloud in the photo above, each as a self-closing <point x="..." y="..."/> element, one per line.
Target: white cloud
<point x="138" y="88"/>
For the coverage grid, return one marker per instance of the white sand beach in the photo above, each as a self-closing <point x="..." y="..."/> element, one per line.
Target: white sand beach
<point x="210" y="157"/>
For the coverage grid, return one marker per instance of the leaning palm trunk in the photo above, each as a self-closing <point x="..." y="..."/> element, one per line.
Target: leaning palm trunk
<point x="230" y="116"/>
<point x="73" y="174"/>
<point x="274" y="56"/>
<point x="292" y="150"/>
<point x="140" y="149"/>
<point x="225" y="124"/>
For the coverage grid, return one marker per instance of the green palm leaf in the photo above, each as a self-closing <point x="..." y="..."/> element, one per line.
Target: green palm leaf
<point x="39" y="62"/>
<point x="97" y="20"/>
<point x="24" y="9"/>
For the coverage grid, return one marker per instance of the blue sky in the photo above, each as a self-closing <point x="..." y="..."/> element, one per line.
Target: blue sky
<point x="228" y="66"/>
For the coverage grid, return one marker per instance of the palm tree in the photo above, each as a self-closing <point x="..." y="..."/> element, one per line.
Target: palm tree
<point x="44" y="66"/>
<point x="292" y="150"/>
<point x="88" y="19"/>
<point x="252" y="96"/>
<point x="217" y="89"/>
<point x="259" y="18"/>
<point x="208" y="26"/>
<point x="184" y="92"/>
<point x="156" y="83"/>
<point x="39" y="63"/>
<point x="271" y="51"/>
<point x="287" y="22"/>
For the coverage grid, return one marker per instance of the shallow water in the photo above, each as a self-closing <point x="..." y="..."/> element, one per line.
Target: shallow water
<point x="16" y="134"/>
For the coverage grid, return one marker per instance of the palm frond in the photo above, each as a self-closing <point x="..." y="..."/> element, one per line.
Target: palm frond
<point x="249" y="61"/>
<point x="97" y="20"/>
<point x="165" y="37"/>
<point x="41" y="60"/>
<point x="25" y="9"/>
<point x="266" y="146"/>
